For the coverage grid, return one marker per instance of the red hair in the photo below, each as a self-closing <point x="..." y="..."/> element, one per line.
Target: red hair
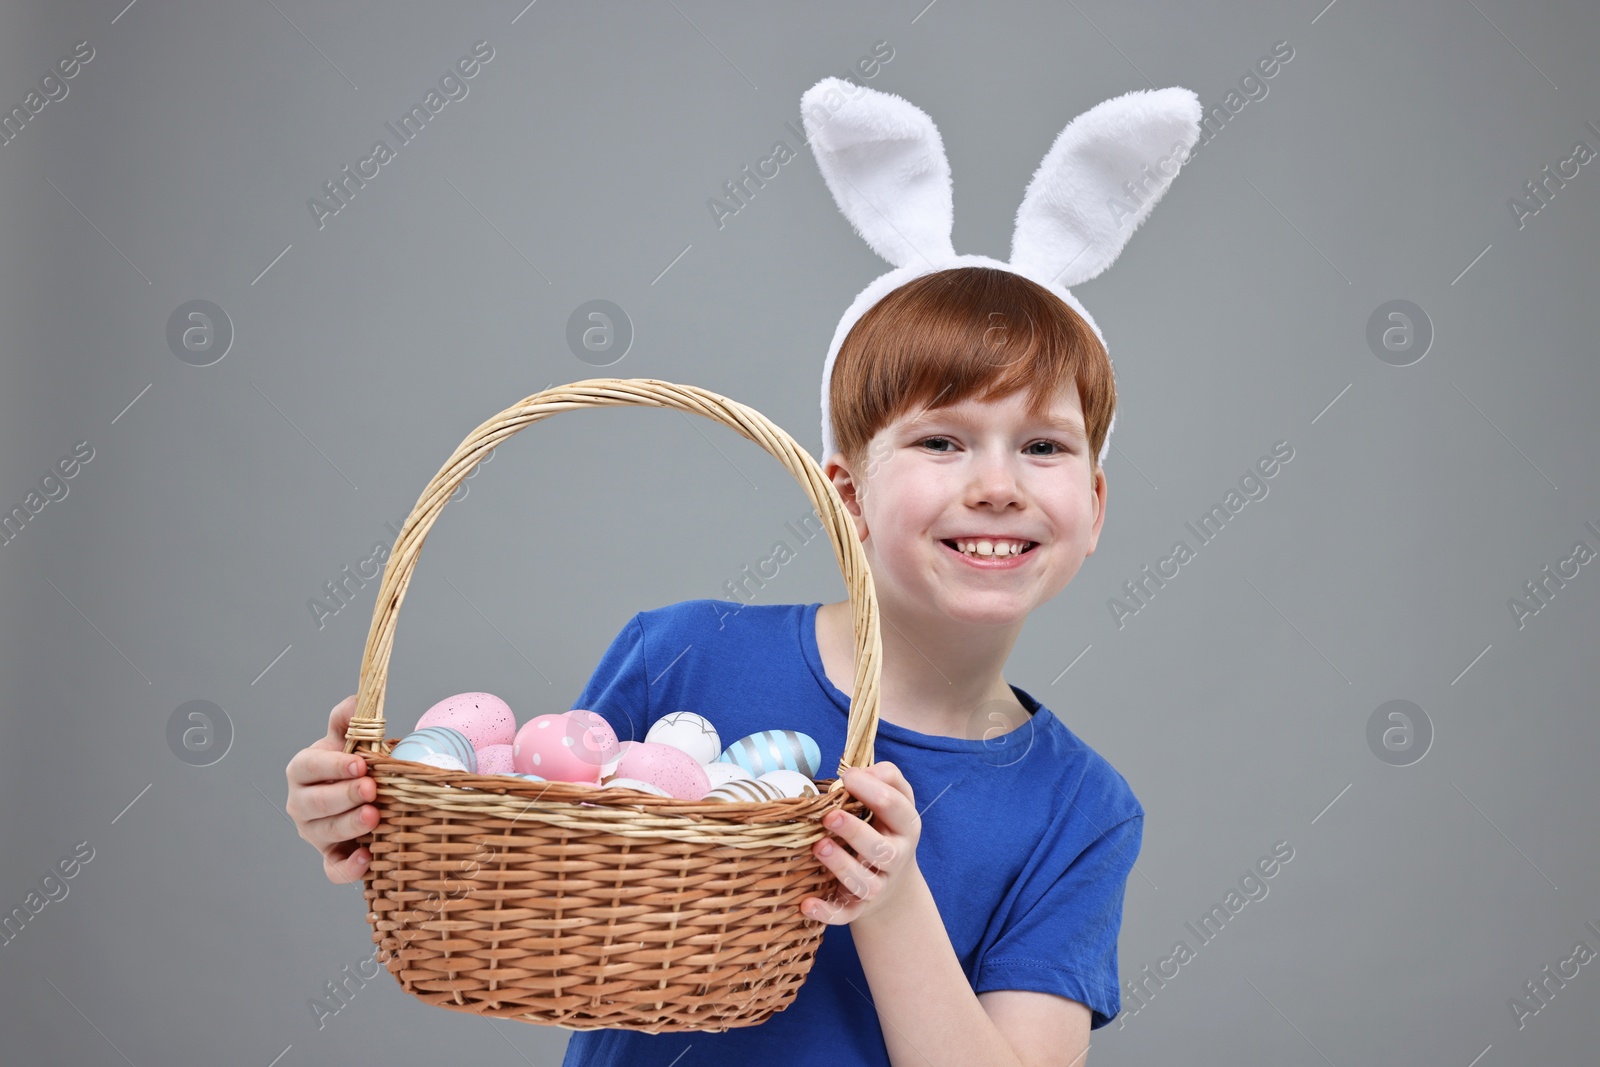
<point x="962" y="333"/>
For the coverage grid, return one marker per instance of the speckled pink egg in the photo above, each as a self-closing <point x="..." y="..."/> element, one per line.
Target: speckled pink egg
<point x="609" y="770"/>
<point x="483" y="717"/>
<point x="563" y="748"/>
<point x="673" y="769"/>
<point x="496" y="759"/>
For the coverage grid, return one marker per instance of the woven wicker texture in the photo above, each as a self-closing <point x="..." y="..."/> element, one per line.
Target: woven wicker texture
<point x="564" y="904"/>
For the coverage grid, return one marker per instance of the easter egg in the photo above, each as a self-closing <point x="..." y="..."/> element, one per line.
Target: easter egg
<point x="495" y="759"/>
<point x="745" y="789"/>
<point x="563" y="748"/>
<point x="775" y="750"/>
<point x="529" y="777"/>
<point x="610" y="768"/>
<point x="442" y="760"/>
<point x="634" y="783"/>
<point x="598" y="739"/>
<point x="431" y="739"/>
<point x="790" y="783"/>
<point x="604" y="736"/>
<point x="722" y="773"/>
<point x="692" y="733"/>
<point x="673" y="769"/>
<point x="483" y="717"/>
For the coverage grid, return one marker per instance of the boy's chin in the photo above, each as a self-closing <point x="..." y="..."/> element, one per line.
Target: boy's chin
<point x="990" y="609"/>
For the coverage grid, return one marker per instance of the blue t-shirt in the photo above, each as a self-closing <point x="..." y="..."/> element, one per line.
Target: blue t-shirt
<point x="1026" y="843"/>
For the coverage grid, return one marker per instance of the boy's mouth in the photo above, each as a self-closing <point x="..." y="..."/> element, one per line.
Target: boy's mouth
<point x="989" y="548"/>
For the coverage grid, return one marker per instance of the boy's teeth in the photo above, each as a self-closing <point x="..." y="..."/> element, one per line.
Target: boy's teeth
<point x="991" y="548"/>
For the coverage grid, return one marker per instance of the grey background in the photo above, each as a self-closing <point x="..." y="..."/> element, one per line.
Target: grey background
<point x="219" y="499"/>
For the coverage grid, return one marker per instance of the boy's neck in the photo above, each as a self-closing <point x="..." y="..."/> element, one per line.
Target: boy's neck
<point x="941" y="684"/>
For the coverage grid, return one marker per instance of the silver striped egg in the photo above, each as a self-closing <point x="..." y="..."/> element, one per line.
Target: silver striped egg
<point x="775" y="750"/>
<point x="744" y="790"/>
<point x="437" y="739"/>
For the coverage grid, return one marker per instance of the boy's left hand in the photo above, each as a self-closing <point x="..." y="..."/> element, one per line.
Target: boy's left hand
<point x="884" y="857"/>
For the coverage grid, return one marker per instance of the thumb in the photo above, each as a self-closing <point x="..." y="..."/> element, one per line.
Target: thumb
<point x="339" y="721"/>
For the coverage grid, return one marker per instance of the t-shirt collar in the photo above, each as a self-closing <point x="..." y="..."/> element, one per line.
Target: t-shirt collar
<point x="807" y="622"/>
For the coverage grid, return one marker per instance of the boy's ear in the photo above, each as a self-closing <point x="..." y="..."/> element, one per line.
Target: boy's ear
<point x="837" y="472"/>
<point x="1099" y="490"/>
<point x="844" y="482"/>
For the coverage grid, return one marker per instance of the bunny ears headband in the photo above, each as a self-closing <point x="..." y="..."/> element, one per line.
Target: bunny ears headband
<point x="884" y="162"/>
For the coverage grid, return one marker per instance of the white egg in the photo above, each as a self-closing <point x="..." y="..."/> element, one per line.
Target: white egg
<point x="792" y="783"/>
<point x="723" y="773"/>
<point x="692" y="733"/>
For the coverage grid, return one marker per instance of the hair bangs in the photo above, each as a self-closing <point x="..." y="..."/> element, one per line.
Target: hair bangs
<point x="966" y="333"/>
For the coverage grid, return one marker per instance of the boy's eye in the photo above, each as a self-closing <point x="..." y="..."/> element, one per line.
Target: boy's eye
<point x="1055" y="446"/>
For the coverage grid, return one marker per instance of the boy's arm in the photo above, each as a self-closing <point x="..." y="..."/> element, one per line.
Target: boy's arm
<point x="929" y="1013"/>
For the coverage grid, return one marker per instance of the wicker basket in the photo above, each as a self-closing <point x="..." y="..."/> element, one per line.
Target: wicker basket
<point x="586" y="908"/>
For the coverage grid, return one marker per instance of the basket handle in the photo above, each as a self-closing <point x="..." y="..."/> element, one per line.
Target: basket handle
<point x="367" y="724"/>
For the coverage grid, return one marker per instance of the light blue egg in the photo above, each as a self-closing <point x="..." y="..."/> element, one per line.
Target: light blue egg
<point x="775" y="750"/>
<point x="445" y="739"/>
<point x="529" y="777"/>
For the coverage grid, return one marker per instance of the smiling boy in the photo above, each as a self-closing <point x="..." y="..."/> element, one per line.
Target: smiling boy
<point x="975" y="917"/>
<point x="971" y="515"/>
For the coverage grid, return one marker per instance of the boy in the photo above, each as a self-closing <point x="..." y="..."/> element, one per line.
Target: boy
<point x="978" y="914"/>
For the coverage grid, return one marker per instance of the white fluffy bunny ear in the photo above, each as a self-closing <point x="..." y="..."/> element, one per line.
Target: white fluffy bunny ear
<point x="1100" y="180"/>
<point x="884" y="162"/>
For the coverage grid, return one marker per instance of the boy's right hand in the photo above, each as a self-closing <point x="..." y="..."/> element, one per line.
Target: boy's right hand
<point x="331" y="803"/>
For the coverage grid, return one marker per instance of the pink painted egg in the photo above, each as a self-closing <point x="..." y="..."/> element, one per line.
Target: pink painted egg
<point x="563" y="748"/>
<point x="483" y="717"/>
<point x="496" y="759"/>
<point x="609" y="770"/>
<point x="601" y="741"/>
<point x="673" y="769"/>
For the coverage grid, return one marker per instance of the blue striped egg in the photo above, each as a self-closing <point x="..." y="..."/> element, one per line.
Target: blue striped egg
<point x="440" y="739"/>
<point x="775" y="750"/>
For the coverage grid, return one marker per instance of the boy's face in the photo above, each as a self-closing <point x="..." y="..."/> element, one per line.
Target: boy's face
<point x="957" y="473"/>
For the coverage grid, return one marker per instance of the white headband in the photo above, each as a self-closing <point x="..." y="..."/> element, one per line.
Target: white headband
<point x="884" y="162"/>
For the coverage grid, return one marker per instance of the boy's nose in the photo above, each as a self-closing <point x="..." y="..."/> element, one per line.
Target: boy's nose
<point x="994" y="481"/>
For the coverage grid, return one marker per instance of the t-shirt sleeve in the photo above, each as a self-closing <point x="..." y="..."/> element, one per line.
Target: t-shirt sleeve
<point x="619" y="688"/>
<point x="1066" y="940"/>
